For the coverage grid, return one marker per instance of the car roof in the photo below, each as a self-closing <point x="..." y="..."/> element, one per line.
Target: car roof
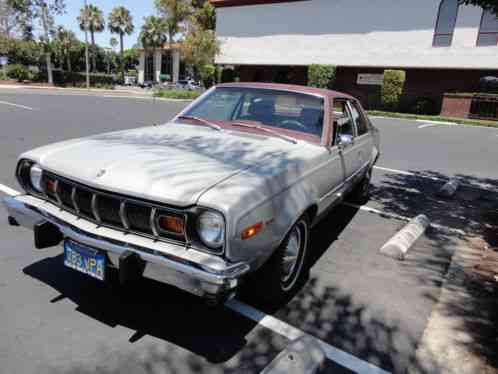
<point x="289" y="87"/>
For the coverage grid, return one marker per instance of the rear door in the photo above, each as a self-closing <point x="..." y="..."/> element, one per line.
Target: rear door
<point x="363" y="140"/>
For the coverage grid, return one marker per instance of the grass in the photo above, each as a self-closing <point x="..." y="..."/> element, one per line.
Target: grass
<point x="176" y="94"/>
<point x="461" y="121"/>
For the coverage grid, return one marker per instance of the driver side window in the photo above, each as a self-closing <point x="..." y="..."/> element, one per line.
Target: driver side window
<point x="343" y="123"/>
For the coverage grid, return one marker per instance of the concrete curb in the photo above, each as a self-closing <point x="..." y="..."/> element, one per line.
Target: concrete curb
<point x="398" y="246"/>
<point x="449" y="188"/>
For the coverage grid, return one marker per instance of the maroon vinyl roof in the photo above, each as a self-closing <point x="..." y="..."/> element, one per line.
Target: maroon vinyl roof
<point x="226" y="3"/>
<point x="290" y="87"/>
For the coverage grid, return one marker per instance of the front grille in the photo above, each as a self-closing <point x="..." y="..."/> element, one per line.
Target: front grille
<point x="107" y="208"/>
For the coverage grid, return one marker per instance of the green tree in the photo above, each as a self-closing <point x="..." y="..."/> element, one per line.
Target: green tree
<point x="113" y="42"/>
<point x="153" y="33"/>
<point x="204" y="16"/>
<point x="44" y="11"/>
<point x="491" y="5"/>
<point x="66" y="43"/>
<point x="175" y="13"/>
<point x="121" y="22"/>
<point x="92" y="20"/>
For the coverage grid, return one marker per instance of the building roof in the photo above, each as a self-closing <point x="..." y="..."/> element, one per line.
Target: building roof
<point x="166" y="47"/>
<point x="289" y="87"/>
<point x="226" y="3"/>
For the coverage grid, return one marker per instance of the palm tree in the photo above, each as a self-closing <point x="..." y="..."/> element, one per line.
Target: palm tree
<point x="91" y="19"/>
<point x="67" y="41"/>
<point x="121" y="22"/>
<point x="175" y="13"/>
<point x="153" y="34"/>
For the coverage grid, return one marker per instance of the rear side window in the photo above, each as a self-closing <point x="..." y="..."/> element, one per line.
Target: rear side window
<point x="359" y="120"/>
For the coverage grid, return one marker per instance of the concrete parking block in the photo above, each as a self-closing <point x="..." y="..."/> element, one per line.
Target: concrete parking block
<point x="449" y="188"/>
<point x="398" y="246"/>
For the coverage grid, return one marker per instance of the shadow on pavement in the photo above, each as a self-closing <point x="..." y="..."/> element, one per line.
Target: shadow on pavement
<point x="472" y="306"/>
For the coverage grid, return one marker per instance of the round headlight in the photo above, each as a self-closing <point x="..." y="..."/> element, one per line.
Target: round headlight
<point x="35" y="174"/>
<point x="211" y="229"/>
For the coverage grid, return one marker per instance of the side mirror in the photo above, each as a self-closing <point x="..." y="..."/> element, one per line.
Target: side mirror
<point x="345" y="140"/>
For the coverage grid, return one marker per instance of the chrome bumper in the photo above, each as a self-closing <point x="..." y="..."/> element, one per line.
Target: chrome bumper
<point x="193" y="271"/>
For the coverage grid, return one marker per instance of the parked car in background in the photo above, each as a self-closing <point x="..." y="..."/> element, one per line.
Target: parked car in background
<point x="188" y="84"/>
<point x="226" y="192"/>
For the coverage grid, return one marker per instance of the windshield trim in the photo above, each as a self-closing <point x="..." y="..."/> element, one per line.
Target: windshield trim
<point x="315" y="139"/>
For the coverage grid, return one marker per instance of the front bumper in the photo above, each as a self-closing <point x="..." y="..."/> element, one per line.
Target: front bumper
<point x="198" y="273"/>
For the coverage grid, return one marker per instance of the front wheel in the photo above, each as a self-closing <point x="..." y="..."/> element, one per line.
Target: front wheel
<point x="281" y="276"/>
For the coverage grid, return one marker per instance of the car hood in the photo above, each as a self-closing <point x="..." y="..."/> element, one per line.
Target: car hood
<point x="172" y="163"/>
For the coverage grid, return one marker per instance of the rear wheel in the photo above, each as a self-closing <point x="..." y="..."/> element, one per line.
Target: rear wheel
<point x="281" y="276"/>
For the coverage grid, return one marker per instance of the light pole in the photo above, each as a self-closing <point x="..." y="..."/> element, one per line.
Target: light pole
<point x="86" y="50"/>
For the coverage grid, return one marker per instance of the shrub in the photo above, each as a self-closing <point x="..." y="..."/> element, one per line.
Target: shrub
<point x="321" y="76"/>
<point x="423" y="105"/>
<point x="392" y="88"/>
<point x="18" y="72"/>
<point x="177" y="94"/>
<point x="65" y="78"/>
<point x="207" y="74"/>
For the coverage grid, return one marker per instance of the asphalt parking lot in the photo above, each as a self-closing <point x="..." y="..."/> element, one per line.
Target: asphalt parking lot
<point x="54" y="320"/>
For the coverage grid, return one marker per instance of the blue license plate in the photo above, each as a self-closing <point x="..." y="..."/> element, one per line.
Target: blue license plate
<point x="84" y="259"/>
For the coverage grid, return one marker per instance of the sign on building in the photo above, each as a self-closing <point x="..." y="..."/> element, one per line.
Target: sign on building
<point x="371" y="79"/>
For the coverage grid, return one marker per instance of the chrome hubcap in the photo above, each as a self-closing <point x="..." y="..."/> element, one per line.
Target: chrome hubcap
<point x="291" y="254"/>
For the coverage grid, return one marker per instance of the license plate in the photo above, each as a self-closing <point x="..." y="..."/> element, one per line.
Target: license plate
<point x="84" y="259"/>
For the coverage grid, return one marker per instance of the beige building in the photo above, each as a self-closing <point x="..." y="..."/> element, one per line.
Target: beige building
<point x="164" y="61"/>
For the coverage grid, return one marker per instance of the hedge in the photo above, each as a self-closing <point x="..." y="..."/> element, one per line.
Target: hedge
<point x="392" y="88"/>
<point x="321" y="76"/>
<point x="177" y="94"/>
<point x="19" y="72"/>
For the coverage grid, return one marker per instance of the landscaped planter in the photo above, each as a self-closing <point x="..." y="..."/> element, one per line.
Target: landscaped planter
<point x="473" y="105"/>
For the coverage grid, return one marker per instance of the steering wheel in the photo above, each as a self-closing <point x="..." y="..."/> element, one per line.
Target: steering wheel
<point x="293" y="122"/>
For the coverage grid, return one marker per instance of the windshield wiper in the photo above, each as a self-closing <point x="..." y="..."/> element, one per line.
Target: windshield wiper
<point x="203" y="121"/>
<point x="258" y="127"/>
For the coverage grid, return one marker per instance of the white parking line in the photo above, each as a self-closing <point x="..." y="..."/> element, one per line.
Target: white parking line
<point x="477" y="186"/>
<point x="16" y="105"/>
<point x="342" y="358"/>
<point x="9" y="191"/>
<point x="364" y="208"/>
<point x="396" y="171"/>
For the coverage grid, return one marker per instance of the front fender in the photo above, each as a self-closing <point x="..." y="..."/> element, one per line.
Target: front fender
<point x="278" y="214"/>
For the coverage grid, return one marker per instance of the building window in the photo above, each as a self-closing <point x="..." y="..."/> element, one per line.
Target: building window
<point x="445" y="24"/>
<point x="488" y="31"/>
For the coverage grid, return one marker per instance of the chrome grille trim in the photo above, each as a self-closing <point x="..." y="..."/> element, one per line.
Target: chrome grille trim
<point x="73" y="199"/>
<point x="152" y="222"/>
<point x="95" y="210"/>
<point x="122" y="215"/>
<point x="56" y="193"/>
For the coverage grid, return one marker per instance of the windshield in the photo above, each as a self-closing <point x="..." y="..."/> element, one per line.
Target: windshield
<point x="275" y="108"/>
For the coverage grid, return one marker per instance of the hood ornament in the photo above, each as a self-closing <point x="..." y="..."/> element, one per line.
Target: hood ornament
<point x="101" y="173"/>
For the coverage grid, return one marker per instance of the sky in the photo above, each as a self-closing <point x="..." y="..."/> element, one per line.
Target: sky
<point x="138" y="9"/>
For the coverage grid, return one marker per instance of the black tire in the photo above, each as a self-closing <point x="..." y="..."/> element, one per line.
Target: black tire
<point x="361" y="193"/>
<point x="276" y="282"/>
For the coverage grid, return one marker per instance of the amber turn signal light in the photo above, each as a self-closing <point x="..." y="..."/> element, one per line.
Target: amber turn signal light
<point x="171" y="224"/>
<point x="250" y="231"/>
